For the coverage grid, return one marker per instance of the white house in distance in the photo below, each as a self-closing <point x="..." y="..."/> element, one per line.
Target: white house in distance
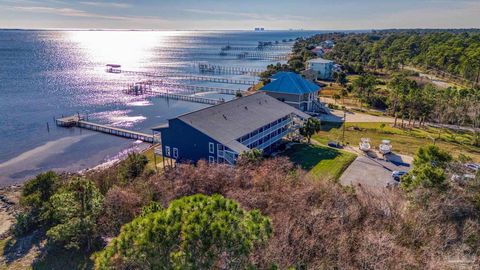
<point x="322" y="67"/>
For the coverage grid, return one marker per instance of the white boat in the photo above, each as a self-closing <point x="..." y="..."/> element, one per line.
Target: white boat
<point x="385" y="147"/>
<point x="365" y="144"/>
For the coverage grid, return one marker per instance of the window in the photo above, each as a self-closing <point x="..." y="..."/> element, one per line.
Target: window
<point x="211" y="159"/>
<point x="211" y="148"/>
<point x="167" y="151"/>
<point x="175" y="152"/>
<point x="220" y="149"/>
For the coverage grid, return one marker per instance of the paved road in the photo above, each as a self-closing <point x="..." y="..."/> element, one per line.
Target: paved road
<point x="371" y="172"/>
<point x="354" y="117"/>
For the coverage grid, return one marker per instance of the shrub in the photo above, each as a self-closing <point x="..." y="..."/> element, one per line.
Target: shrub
<point x="75" y="209"/>
<point x="37" y="191"/>
<point x="132" y="167"/>
<point x="195" y="232"/>
<point x="424" y="175"/>
<point x="35" y="200"/>
<point x="24" y="223"/>
<point x="121" y="205"/>
<point x="433" y="155"/>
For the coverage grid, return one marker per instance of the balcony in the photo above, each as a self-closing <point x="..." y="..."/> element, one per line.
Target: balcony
<point x="266" y="132"/>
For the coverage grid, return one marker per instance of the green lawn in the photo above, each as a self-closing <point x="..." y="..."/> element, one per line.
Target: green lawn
<point x="320" y="161"/>
<point x="404" y="141"/>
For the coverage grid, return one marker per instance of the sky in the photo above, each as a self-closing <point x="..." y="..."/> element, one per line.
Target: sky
<point x="239" y="14"/>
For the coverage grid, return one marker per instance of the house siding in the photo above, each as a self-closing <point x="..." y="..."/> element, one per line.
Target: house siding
<point x="290" y="99"/>
<point x="324" y="70"/>
<point x="192" y="144"/>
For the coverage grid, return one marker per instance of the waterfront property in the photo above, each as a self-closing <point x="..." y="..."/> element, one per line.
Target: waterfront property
<point x="322" y="67"/>
<point x="294" y="90"/>
<point x="221" y="133"/>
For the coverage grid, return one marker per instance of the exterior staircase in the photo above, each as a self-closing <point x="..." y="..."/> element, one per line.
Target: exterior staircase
<point x="320" y="107"/>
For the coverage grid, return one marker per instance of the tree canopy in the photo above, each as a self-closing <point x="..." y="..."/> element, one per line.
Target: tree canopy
<point x="133" y="166"/>
<point x="194" y="232"/>
<point x="75" y="209"/>
<point x="429" y="168"/>
<point x="310" y="127"/>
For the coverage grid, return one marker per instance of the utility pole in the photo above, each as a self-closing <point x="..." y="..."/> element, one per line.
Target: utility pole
<point x="344" y="123"/>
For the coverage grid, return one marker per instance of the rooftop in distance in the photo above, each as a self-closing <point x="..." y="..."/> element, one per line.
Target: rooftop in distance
<point x="290" y="83"/>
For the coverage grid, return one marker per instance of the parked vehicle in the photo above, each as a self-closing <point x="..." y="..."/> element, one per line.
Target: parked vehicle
<point x="472" y="166"/>
<point x="397" y="175"/>
<point x="464" y="178"/>
<point x="335" y="144"/>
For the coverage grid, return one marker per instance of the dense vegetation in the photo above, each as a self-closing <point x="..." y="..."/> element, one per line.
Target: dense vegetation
<point x="456" y="55"/>
<point x="268" y="215"/>
<point x="406" y="99"/>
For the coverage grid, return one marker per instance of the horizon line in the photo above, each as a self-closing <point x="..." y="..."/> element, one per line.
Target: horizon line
<point x="217" y="30"/>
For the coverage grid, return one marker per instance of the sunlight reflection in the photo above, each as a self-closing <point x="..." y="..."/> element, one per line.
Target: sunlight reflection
<point x="130" y="49"/>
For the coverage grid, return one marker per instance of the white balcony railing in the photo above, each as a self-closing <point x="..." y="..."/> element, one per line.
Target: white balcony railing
<point x="266" y="132"/>
<point x="273" y="139"/>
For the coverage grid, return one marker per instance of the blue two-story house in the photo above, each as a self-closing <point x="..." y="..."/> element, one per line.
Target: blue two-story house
<point x="222" y="132"/>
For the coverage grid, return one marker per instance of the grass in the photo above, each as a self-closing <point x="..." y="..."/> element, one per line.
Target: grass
<point x="151" y="160"/>
<point x="320" y="161"/>
<point x="404" y="141"/>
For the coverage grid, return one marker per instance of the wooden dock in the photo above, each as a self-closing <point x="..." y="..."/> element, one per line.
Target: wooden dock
<point x="257" y="56"/>
<point x="197" y="99"/>
<point x="215" y="79"/>
<point x="198" y="88"/>
<point x="189" y="77"/>
<point x="217" y="69"/>
<point x="78" y="121"/>
<point x="145" y="87"/>
<point x="256" y="48"/>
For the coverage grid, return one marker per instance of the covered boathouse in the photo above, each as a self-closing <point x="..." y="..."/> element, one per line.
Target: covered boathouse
<point x="222" y="132"/>
<point x="294" y="90"/>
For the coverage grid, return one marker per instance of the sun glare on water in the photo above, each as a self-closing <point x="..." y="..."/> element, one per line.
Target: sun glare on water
<point x="131" y="49"/>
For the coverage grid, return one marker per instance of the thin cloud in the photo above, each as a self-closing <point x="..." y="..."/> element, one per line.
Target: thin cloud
<point x="70" y="12"/>
<point x="106" y="4"/>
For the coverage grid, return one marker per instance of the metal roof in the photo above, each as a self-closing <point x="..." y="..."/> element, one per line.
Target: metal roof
<point x="231" y="120"/>
<point x="290" y="83"/>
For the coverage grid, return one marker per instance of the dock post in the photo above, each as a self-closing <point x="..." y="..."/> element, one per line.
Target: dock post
<point x="48" y="128"/>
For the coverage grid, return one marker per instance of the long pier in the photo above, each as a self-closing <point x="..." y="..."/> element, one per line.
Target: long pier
<point x="186" y="77"/>
<point x="256" y="48"/>
<point x="256" y="56"/>
<point x="215" y="79"/>
<point x="78" y="121"/>
<point x="198" y="89"/>
<point x="217" y="69"/>
<point x="197" y="99"/>
<point x="145" y="88"/>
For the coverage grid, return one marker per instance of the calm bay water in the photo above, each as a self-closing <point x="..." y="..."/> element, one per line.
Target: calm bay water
<point x="44" y="74"/>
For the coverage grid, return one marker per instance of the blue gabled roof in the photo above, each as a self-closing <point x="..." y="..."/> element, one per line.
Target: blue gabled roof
<point x="290" y="83"/>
